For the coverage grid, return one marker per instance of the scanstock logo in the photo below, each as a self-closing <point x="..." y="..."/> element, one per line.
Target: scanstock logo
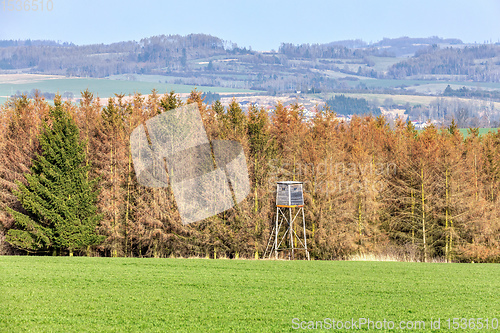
<point x="206" y="177"/>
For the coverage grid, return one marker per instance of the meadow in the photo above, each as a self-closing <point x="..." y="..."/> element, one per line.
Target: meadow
<point x="80" y="294"/>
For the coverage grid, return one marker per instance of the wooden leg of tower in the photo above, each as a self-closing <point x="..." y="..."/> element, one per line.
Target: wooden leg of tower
<point x="305" y="238"/>
<point x="291" y="232"/>
<point x="276" y="234"/>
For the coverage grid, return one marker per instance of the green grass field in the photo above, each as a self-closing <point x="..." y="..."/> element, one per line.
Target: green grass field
<point x="78" y="294"/>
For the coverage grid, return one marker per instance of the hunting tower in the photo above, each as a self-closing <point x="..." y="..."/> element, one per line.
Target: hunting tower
<point x="287" y="236"/>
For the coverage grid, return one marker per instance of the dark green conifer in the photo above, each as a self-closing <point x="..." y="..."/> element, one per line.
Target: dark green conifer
<point x="59" y="199"/>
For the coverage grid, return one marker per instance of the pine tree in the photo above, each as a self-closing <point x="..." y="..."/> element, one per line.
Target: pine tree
<point x="237" y="120"/>
<point x="170" y="101"/>
<point x="59" y="200"/>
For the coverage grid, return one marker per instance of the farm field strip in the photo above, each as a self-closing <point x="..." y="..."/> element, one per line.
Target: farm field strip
<point x="102" y="87"/>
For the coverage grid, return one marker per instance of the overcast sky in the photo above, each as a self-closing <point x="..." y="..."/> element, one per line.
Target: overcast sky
<point x="263" y="25"/>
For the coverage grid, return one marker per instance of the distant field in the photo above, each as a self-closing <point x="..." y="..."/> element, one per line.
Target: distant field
<point x="75" y="294"/>
<point x="389" y="83"/>
<point x="166" y="79"/>
<point x="25" y="78"/>
<point x="421" y="86"/>
<point x="100" y="87"/>
<point x="130" y="83"/>
<point x="434" y="88"/>
<point x="340" y="75"/>
<point x="398" y="99"/>
<point x="383" y="63"/>
<point x="465" y="131"/>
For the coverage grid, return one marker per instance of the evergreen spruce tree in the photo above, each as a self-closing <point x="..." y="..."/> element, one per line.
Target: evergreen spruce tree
<point x="59" y="199"/>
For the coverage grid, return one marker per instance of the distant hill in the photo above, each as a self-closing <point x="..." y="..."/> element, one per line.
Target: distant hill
<point x="29" y="42"/>
<point x="205" y="60"/>
<point x="100" y="60"/>
<point x="174" y="53"/>
<point x="409" y="46"/>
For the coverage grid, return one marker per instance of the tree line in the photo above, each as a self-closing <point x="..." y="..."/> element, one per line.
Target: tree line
<point x="348" y="106"/>
<point x="369" y="187"/>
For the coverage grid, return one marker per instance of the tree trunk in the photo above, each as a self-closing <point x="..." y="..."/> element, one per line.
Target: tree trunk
<point x="412" y="216"/>
<point x="447" y="248"/>
<point x="423" y="217"/>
